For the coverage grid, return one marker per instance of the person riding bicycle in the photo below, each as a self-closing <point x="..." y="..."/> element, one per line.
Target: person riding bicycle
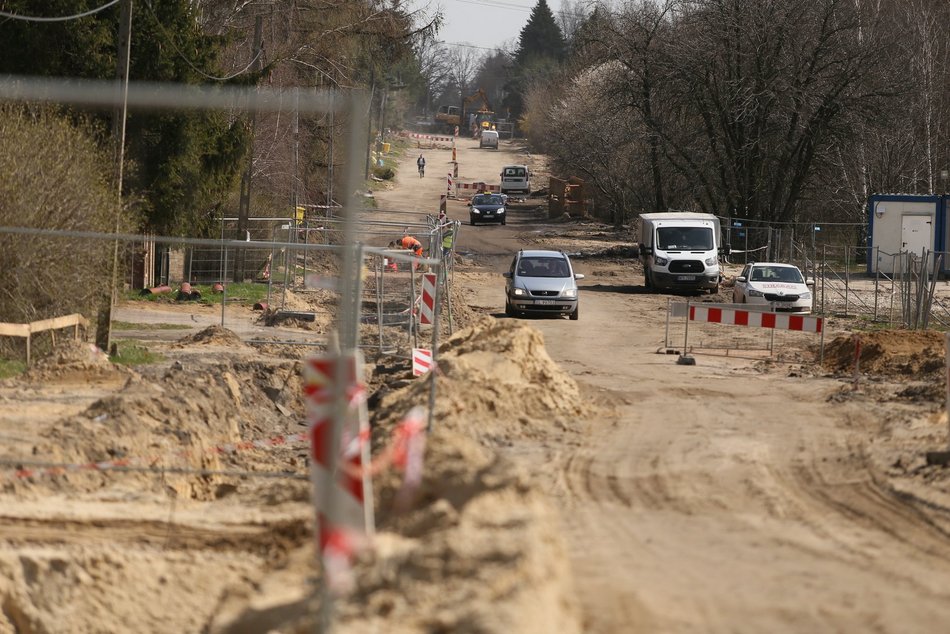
<point x="421" y="163"/>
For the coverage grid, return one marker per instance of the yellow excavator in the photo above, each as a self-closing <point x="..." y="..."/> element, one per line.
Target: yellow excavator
<point x="447" y="117"/>
<point x="484" y="116"/>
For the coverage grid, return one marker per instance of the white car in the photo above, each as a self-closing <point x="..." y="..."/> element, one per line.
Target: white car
<point x="780" y="286"/>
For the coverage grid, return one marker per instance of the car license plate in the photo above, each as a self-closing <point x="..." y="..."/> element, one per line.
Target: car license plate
<point x="685" y="278"/>
<point x="489" y="215"/>
<point x="545" y="302"/>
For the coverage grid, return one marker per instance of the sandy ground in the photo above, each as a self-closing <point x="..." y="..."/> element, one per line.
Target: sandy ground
<point x="576" y="480"/>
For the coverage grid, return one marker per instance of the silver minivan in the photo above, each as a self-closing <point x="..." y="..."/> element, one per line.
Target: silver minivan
<point x="541" y="282"/>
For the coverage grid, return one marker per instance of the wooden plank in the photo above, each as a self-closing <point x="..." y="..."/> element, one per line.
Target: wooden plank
<point x="58" y="322"/>
<point x="14" y="330"/>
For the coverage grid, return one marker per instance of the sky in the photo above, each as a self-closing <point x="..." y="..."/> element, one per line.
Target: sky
<point x="486" y="23"/>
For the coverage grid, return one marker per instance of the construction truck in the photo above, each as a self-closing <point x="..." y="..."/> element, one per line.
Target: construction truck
<point x="447" y="118"/>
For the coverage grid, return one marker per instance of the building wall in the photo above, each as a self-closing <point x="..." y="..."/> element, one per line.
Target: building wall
<point x="885" y="216"/>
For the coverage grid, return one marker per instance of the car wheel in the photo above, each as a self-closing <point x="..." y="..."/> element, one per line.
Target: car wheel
<point x="573" y="314"/>
<point x="502" y="222"/>
<point x="471" y="221"/>
<point x="509" y="311"/>
<point x="647" y="281"/>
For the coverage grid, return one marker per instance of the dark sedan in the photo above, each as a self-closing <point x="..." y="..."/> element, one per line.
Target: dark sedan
<point x="487" y="208"/>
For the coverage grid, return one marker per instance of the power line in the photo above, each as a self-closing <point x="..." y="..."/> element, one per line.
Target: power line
<point x="466" y="45"/>
<point x="500" y="4"/>
<point x="65" y="18"/>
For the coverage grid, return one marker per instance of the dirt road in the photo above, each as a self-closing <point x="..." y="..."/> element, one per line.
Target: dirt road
<point x="722" y="498"/>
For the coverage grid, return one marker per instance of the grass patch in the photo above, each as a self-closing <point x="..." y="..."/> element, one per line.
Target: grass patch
<point x="128" y="353"/>
<point x="238" y="292"/>
<point x="9" y="368"/>
<point x="126" y="325"/>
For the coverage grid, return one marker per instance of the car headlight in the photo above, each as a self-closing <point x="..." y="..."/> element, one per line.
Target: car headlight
<point x="501" y="210"/>
<point x="660" y="261"/>
<point x="519" y="292"/>
<point x="476" y="211"/>
<point x="569" y="292"/>
<point x="755" y="293"/>
<point x="712" y="261"/>
<point x="805" y="295"/>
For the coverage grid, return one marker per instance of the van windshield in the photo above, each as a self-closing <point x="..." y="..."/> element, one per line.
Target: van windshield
<point x="684" y="239"/>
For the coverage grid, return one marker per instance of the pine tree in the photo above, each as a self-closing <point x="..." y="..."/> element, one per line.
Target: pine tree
<point x="541" y="48"/>
<point x="541" y="37"/>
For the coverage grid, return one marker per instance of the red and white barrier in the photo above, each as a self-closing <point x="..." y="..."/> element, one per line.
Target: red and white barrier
<point x="344" y="523"/>
<point x="427" y="307"/>
<point x="431" y="137"/>
<point x="421" y="361"/>
<point x="450" y="187"/>
<point x="755" y="319"/>
<point x="474" y="187"/>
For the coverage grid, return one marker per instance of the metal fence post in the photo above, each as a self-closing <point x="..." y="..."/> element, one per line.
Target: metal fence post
<point x="847" y="277"/>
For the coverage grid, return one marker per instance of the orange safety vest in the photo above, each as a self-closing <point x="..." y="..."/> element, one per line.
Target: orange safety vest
<point x="408" y="242"/>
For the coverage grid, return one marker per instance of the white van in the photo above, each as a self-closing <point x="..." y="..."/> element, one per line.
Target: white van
<point x="489" y="138"/>
<point x="515" y="179"/>
<point x="680" y="250"/>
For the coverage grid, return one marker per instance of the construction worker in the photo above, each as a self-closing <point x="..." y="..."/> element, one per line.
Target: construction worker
<point x="421" y="164"/>
<point x="448" y="238"/>
<point x="409" y="243"/>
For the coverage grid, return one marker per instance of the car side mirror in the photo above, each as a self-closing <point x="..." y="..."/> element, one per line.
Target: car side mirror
<point x="726" y="250"/>
<point x="645" y="250"/>
<point x="741" y="278"/>
<point x="506" y="274"/>
<point x="578" y="276"/>
<point x="809" y="282"/>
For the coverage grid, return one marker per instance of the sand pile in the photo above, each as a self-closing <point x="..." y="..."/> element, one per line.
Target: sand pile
<point x="73" y="360"/>
<point x="213" y="335"/>
<point x="175" y="421"/>
<point x="497" y="383"/>
<point x="479" y="550"/>
<point x="888" y="352"/>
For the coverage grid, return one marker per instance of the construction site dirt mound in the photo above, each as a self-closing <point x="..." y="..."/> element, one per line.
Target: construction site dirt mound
<point x="892" y="353"/>
<point x="173" y="430"/>
<point x="72" y="360"/>
<point x="213" y="335"/>
<point x="498" y="384"/>
<point x="476" y="548"/>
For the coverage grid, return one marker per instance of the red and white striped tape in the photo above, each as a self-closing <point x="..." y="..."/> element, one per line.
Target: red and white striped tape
<point x="738" y="317"/>
<point x="344" y="524"/>
<point x="450" y="187"/>
<point x="421" y="361"/>
<point x="427" y="307"/>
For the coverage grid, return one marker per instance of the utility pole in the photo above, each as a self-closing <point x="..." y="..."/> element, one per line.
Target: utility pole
<point x="244" y="208"/>
<point x="104" y="320"/>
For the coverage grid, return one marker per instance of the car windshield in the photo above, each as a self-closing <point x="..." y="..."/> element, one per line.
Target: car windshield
<point x="487" y="200"/>
<point x="543" y="267"/>
<point x="684" y="238"/>
<point x="787" y="274"/>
